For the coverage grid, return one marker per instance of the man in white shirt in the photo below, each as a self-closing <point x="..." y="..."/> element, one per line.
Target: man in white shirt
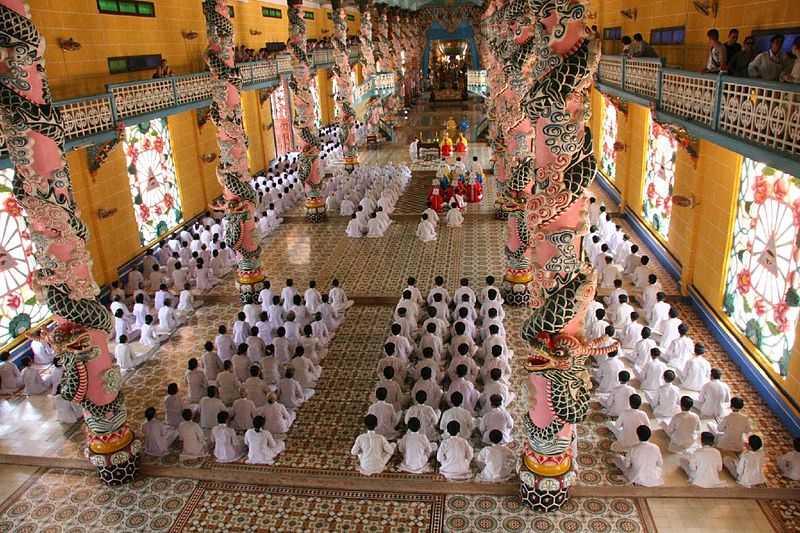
<point x="455" y="454"/>
<point x="416" y="449"/>
<point x="714" y="396"/>
<point x="697" y="371"/>
<point x="748" y="468"/>
<point x="682" y="430"/>
<point x="624" y="428"/>
<point x="372" y="449"/>
<point x="733" y="429"/>
<point x="497" y="462"/>
<point x="642" y="464"/>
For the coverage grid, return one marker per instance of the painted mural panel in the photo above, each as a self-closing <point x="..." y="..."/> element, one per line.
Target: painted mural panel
<point x="608" y="155"/>
<point x="659" y="178"/>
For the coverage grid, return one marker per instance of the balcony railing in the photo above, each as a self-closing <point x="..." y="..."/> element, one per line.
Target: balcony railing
<point x="766" y="114"/>
<point x="100" y="114"/>
<point x="476" y="82"/>
<point x="379" y="85"/>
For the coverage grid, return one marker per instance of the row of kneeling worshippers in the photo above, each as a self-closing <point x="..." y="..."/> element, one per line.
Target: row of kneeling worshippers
<point x="444" y="378"/>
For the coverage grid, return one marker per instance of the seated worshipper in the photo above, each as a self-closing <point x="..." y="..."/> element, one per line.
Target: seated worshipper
<point x="167" y="319"/>
<point x="789" y="463"/>
<point x="375" y="228"/>
<point x="32" y="381"/>
<point x="666" y="401"/>
<point x="251" y="312"/>
<point x="228" y="384"/>
<point x="312" y="346"/>
<point x="395" y="394"/>
<point x="287" y="294"/>
<point x="228" y="447"/>
<point x="669" y="329"/>
<point x="427" y="415"/>
<point x="497" y="418"/>
<point x="256" y="389"/>
<point x="651" y="378"/>
<point x="290" y="392"/>
<point x="209" y="407"/>
<point x="431" y="341"/>
<point x="122" y="327"/>
<point x="432" y="390"/>
<point x="186" y="302"/>
<point x="455" y="454"/>
<point x="241" y="363"/>
<point x="432" y="215"/>
<point x="438" y="288"/>
<point x="599" y="325"/>
<point x="158" y="437"/>
<point x="497" y="462"/>
<point x="622" y="313"/>
<point x="748" y="468"/>
<point x="354" y="228"/>
<point x="464" y="387"/>
<point x="641" y="274"/>
<point x="644" y="349"/>
<point x="372" y="449"/>
<point x="703" y="466"/>
<point x="732" y="431"/>
<point x="347" y="208"/>
<point x="609" y="273"/>
<point x="631" y="334"/>
<point x="454" y="218"/>
<point x="173" y="406"/>
<point x="697" y="371"/>
<point x="195" y="381"/>
<point x="641" y="465"/>
<point x="262" y="447"/>
<point x="241" y="329"/>
<point x="150" y="336"/>
<point x="255" y="346"/>
<point x="192" y="438"/>
<point x="140" y="310"/>
<point x="613" y="297"/>
<point x="459" y="413"/>
<point x="243" y="410"/>
<point x="67" y="412"/>
<point x="224" y="344"/>
<point x="714" y="396"/>
<point x="659" y="313"/>
<point x="607" y="373"/>
<point x="277" y="418"/>
<point x="680" y="350"/>
<point x="339" y="299"/>
<point x="126" y="358"/>
<point x="426" y="231"/>
<point x="312" y="297"/>
<point x="496" y="385"/>
<point x="212" y="365"/>
<point x="618" y="401"/>
<point x="416" y="449"/>
<point x="388" y="417"/>
<point x="463" y="357"/>
<point x="624" y="428"/>
<point x="496" y="360"/>
<point x="650" y="295"/>
<point x="684" y="427"/>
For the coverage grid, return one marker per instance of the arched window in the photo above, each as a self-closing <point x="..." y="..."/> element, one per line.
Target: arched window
<point x="19" y="309"/>
<point x="608" y="156"/>
<point x="151" y="172"/>
<point x="659" y="178"/>
<point x="763" y="280"/>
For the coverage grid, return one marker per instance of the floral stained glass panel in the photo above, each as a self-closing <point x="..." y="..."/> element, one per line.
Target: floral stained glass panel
<point x="151" y="172"/>
<point x="763" y="282"/>
<point x="659" y="178"/>
<point x="608" y="156"/>
<point x="19" y="309"/>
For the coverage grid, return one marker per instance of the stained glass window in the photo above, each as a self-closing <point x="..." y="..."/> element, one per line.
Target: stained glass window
<point x="763" y="282"/>
<point x="608" y="156"/>
<point x="151" y="172"/>
<point x="19" y="309"/>
<point x="659" y="178"/>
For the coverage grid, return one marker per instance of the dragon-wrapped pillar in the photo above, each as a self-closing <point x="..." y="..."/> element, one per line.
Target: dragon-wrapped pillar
<point x="344" y="84"/>
<point x="553" y="64"/>
<point x="373" y="113"/>
<point x="238" y="196"/>
<point x="305" y="126"/>
<point x="34" y="134"/>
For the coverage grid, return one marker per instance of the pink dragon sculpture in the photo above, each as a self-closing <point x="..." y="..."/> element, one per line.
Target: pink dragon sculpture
<point x="344" y="83"/>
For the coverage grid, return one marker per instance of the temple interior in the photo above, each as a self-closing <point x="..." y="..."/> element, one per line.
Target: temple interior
<point x="400" y="265"/>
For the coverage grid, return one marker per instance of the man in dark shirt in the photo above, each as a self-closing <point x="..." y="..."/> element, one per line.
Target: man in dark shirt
<point x="732" y="46"/>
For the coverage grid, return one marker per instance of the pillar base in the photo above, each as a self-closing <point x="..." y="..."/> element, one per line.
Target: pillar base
<point x="544" y="494"/>
<point x="249" y="286"/>
<point x="515" y="288"/>
<point x="119" y="467"/>
<point x="350" y="163"/>
<point x="315" y="210"/>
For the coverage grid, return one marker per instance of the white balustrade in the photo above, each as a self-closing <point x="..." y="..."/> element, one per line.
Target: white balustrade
<point x="688" y="95"/>
<point x="610" y="70"/>
<point x="85" y="117"/>
<point x="144" y="97"/>
<point x="641" y="77"/>
<point x="193" y="88"/>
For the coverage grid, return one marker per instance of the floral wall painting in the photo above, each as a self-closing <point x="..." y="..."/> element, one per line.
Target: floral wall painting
<point x="151" y="172"/>
<point x="608" y="155"/>
<point x="19" y="309"/>
<point x="762" y="287"/>
<point x="659" y="178"/>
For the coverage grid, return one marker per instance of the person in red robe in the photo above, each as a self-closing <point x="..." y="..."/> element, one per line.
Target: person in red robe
<point x="435" y="198"/>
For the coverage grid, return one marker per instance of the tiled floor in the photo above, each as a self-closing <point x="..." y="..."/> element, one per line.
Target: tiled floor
<point x="319" y="441"/>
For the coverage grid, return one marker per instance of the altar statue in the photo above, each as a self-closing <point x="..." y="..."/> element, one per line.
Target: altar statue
<point x="446" y="146"/>
<point x="461" y="145"/>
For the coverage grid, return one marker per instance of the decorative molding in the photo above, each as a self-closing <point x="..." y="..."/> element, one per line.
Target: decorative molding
<point x="686" y="141"/>
<point x="203" y="115"/>
<point x="98" y="154"/>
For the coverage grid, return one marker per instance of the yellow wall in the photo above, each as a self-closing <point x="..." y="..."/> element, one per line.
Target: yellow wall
<point x="699" y="237"/>
<point x="325" y="91"/>
<point x="746" y="15"/>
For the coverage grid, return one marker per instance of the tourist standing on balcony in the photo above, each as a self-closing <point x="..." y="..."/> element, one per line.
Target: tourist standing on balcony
<point x="717" y="53"/>
<point x="771" y="64"/>
<point x="793" y="76"/>
<point x="626" y="46"/>
<point x="732" y="46"/>
<point x="737" y="65"/>
<point x="641" y="48"/>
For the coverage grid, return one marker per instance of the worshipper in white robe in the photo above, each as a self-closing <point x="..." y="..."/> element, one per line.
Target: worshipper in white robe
<point x="427" y="416"/>
<point x="641" y="274"/>
<point x="212" y="365"/>
<point x="43" y="354"/>
<point x="290" y="392"/>
<point x="32" y="380"/>
<point x="173" y="406"/>
<point x="353" y="229"/>
<point x="372" y="449"/>
<point x="228" y="384"/>
<point x="241" y="329"/>
<point x="714" y="396"/>
<point x="651" y="378"/>
<point x="650" y="295"/>
<point x="680" y="350"/>
<point x="277" y="418"/>
<point x="497" y="462"/>
<point x="192" y="437"/>
<point x="210" y="406"/>
<point x="150" y="336"/>
<point x="186" y="301"/>
<point x="256" y="389"/>
<point x="631" y="335"/>
<point x="624" y="428"/>
<point x="641" y="465"/>
<point x="732" y="430"/>
<point x="416" y="449"/>
<point x="454" y="218"/>
<point x="375" y="227"/>
<point x="789" y="463"/>
<point x="748" y="468"/>
<point x="697" y="371"/>
<point x="609" y="273"/>
<point x="460" y="414"/>
<point x="262" y="447"/>
<point x="659" y="313"/>
<point x="666" y="401"/>
<point x="338" y="298"/>
<point x="618" y="400"/>
<point x="158" y="437"/>
<point x="287" y="294"/>
<point x="426" y="231"/>
<point x="644" y="349"/>
<point x="228" y="446"/>
<point x="432" y="390"/>
<point x="347" y="208"/>
<point x="622" y="313"/>
<point x="455" y="454"/>
<point x="255" y="346"/>
<point x="704" y="465"/>
<point x="388" y="417"/>
<point x="67" y="412"/>
<point x="684" y="427"/>
<point x="167" y="320"/>
<point x="10" y="376"/>
<point x="312" y="297"/>
<point x="669" y="329"/>
<point x="497" y="418"/>
<point x="126" y="358"/>
<point x="241" y="364"/>
<point x="243" y="411"/>
<point x="608" y="372"/>
<point x="224" y="344"/>
<point x="496" y="386"/>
